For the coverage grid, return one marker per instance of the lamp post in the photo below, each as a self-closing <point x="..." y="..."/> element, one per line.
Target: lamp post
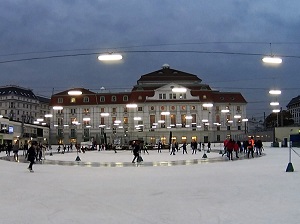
<point x="49" y="116"/>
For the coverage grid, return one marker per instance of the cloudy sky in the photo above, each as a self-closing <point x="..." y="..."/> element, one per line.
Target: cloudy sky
<point x="242" y="30"/>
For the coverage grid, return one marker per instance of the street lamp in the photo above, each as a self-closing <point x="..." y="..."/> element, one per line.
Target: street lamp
<point x="110" y="57"/>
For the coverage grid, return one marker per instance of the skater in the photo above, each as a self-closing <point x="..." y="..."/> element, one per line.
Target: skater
<point x="136" y="151"/>
<point x="208" y="147"/>
<point x="159" y="147"/>
<point x="184" y="148"/>
<point x="16" y="150"/>
<point x="173" y="148"/>
<point x="31" y="155"/>
<point x="250" y="147"/>
<point x="194" y="147"/>
<point x="230" y="147"/>
<point x="258" y="146"/>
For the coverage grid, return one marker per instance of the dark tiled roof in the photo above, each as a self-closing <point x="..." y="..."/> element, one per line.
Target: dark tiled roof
<point x="295" y="100"/>
<point x="166" y="74"/>
<point x="18" y="91"/>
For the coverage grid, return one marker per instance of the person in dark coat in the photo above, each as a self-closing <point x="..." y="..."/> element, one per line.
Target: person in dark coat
<point x="183" y="148"/>
<point x="136" y="151"/>
<point x="31" y="154"/>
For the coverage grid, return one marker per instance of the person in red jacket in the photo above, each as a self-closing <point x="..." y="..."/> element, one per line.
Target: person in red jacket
<point x="230" y="147"/>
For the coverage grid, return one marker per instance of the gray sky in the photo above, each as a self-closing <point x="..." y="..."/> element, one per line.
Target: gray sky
<point x="34" y="29"/>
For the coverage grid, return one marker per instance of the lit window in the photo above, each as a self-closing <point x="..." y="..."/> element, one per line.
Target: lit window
<point x="73" y="100"/>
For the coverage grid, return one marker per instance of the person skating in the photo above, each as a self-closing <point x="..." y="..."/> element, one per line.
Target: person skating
<point x="250" y="147"/>
<point x="31" y="155"/>
<point x="183" y="148"/>
<point x="136" y="151"/>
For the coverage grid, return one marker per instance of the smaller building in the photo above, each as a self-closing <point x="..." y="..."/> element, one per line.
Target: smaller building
<point x="11" y="131"/>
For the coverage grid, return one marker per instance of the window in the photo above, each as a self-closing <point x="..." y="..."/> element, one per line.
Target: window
<point x="114" y="110"/>
<point x="102" y="98"/>
<point x="125" y="120"/>
<point x="182" y="96"/>
<point x="73" y="100"/>
<point x="113" y="98"/>
<point x="193" y="107"/>
<point x="73" y="111"/>
<point x="60" y="132"/>
<point x="125" y="98"/>
<point x="140" y="108"/>
<point x="73" y="133"/>
<point x="238" y="108"/>
<point x="152" y="120"/>
<point x="86" y="99"/>
<point x="60" y="121"/>
<point x="172" y="96"/>
<point x="86" y="110"/>
<point x="173" y="119"/>
<point x="162" y="96"/>
<point x="102" y="109"/>
<point x="60" y="100"/>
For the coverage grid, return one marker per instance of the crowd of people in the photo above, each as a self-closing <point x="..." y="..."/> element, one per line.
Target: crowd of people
<point x="34" y="151"/>
<point x="249" y="147"/>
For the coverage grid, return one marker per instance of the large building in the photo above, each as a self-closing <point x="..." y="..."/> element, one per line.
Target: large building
<point x="21" y="104"/>
<point x="294" y="109"/>
<point x="20" y="108"/>
<point x="163" y="105"/>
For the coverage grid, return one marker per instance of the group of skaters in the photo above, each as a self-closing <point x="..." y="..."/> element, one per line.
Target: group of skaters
<point x="195" y="146"/>
<point x="248" y="147"/>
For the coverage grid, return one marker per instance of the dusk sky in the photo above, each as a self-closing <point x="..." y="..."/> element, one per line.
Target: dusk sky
<point x="242" y="30"/>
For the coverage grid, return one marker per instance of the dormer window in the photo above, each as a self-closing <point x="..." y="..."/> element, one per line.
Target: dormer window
<point x="113" y="98"/>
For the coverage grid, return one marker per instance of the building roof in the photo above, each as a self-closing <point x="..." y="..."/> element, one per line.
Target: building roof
<point x="18" y="91"/>
<point x="293" y="101"/>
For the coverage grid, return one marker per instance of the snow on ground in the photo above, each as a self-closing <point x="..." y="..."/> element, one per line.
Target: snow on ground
<point x="229" y="192"/>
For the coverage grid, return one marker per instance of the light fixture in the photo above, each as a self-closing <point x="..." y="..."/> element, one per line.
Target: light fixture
<point x="39" y="119"/>
<point x="165" y="113"/>
<point x="161" y="121"/>
<point x="48" y="115"/>
<point x="272" y="60"/>
<point x="57" y="108"/>
<point x="131" y="105"/>
<point x="274" y="103"/>
<point x="104" y="114"/>
<point x="1" y="116"/>
<point x="205" y="120"/>
<point x="179" y="90"/>
<point x="137" y="118"/>
<point x="207" y="105"/>
<point x="245" y="119"/>
<point x="188" y="117"/>
<point x="276" y="111"/>
<point x="237" y="116"/>
<point x="225" y="111"/>
<point x="75" y="93"/>
<point x="86" y="119"/>
<point x="36" y="122"/>
<point x="275" y="92"/>
<point x="117" y="122"/>
<point x="110" y="57"/>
